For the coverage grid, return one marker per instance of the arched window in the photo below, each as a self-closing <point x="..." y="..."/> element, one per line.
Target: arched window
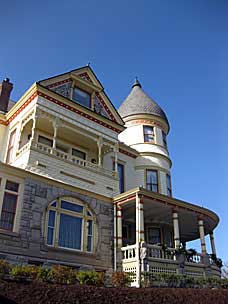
<point x="70" y="224"/>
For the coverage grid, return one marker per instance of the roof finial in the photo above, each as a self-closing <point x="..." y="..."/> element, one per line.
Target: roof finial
<point x="136" y="83"/>
<point x="88" y="64"/>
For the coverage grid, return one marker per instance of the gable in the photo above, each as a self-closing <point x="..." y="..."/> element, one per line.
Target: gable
<point x="86" y="82"/>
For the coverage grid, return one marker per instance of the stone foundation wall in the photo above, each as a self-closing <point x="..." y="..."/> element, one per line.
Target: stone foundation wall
<point x="28" y="246"/>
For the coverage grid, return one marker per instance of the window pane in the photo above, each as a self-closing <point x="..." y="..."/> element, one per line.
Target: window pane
<point x="53" y="204"/>
<point x="8" y="211"/>
<point x="90" y="235"/>
<point x="81" y="97"/>
<point x="151" y="177"/>
<point x="46" y="141"/>
<point x="51" y="220"/>
<point x="89" y="244"/>
<point x="72" y="207"/>
<point x="154" y="236"/>
<point x="12" y="186"/>
<point x="121" y="177"/>
<point x="148" y="133"/>
<point x="50" y="236"/>
<point x="78" y="153"/>
<point x="70" y="231"/>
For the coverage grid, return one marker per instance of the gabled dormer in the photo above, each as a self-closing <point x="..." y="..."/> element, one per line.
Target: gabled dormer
<point x="82" y="87"/>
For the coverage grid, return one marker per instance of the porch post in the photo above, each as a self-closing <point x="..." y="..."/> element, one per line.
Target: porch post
<point x="213" y="250"/>
<point x="100" y="145"/>
<point x="202" y="236"/>
<point x="115" y="238"/>
<point x="176" y="230"/>
<point x="119" y="237"/>
<point x="139" y="235"/>
<point x="33" y="128"/>
<point x="55" y="126"/>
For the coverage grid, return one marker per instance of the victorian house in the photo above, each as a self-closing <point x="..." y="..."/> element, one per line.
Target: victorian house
<point x="85" y="185"/>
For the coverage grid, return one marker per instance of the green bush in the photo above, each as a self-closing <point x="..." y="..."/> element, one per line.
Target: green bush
<point x="44" y="274"/>
<point x="121" y="279"/>
<point x="62" y="275"/>
<point x="91" y="278"/>
<point x="4" y="268"/>
<point x="24" y="272"/>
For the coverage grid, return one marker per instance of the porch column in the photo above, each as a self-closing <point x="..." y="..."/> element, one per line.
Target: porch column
<point x="115" y="238"/>
<point x="33" y="128"/>
<point x="55" y="126"/>
<point x="116" y="150"/>
<point x="100" y="145"/>
<point x="176" y="230"/>
<point x="119" y="227"/>
<point x="202" y="236"/>
<point x="140" y="237"/>
<point x="213" y="250"/>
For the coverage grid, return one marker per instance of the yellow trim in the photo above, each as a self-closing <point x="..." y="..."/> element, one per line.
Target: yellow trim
<point x="143" y="167"/>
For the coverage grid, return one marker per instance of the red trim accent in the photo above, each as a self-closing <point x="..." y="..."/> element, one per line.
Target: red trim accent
<point x="77" y="111"/>
<point x="70" y="108"/>
<point x="82" y="75"/>
<point x="127" y="153"/>
<point x="105" y="106"/>
<point x="3" y="122"/>
<point x="55" y="84"/>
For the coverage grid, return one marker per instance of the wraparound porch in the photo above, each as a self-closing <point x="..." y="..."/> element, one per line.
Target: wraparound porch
<point x="139" y="251"/>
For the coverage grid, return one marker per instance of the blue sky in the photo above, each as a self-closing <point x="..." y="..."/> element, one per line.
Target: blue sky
<point x="179" y="51"/>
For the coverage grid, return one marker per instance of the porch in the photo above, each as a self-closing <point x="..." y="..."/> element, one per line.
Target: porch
<point x="158" y="229"/>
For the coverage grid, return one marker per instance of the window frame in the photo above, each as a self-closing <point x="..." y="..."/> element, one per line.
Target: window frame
<point x="157" y="184"/>
<point x="3" y="190"/>
<point x="86" y="215"/>
<point x="145" y="135"/>
<point x="84" y="91"/>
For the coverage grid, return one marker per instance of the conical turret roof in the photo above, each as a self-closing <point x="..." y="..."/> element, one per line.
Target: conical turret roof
<point x="138" y="102"/>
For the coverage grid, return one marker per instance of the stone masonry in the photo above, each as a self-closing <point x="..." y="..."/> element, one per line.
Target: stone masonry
<point x="28" y="246"/>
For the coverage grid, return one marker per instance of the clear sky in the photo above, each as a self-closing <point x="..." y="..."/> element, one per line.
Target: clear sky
<point x="179" y="51"/>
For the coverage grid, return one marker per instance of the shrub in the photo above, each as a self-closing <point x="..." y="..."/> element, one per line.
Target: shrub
<point x="4" y="268"/>
<point x="23" y="272"/>
<point x="43" y="274"/>
<point x="121" y="279"/>
<point x="62" y="274"/>
<point x="91" y="278"/>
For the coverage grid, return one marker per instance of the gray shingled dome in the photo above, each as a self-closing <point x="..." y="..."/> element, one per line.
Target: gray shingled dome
<point x="138" y="102"/>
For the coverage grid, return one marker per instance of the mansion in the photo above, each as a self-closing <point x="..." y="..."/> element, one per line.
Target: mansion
<point x="86" y="185"/>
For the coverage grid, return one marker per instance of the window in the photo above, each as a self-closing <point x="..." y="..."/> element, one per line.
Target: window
<point x="148" y="132"/>
<point x="120" y="169"/>
<point x="78" y="153"/>
<point x="168" y="183"/>
<point x="81" y="97"/>
<point x="70" y="224"/>
<point x="11" y="143"/>
<point x="164" y="139"/>
<point x="154" y="235"/>
<point x="152" y="180"/>
<point x="9" y="205"/>
<point x="45" y="141"/>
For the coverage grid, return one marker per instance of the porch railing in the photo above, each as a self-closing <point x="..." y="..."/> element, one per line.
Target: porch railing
<point x="65" y="157"/>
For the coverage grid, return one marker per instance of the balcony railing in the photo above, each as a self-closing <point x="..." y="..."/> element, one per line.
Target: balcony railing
<point x="65" y="157"/>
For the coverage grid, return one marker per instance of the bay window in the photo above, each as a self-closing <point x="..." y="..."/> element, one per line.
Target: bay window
<point x="70" y="225"/>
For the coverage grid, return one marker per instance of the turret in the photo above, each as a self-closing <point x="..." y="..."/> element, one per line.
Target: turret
<point x="146" y="131"/>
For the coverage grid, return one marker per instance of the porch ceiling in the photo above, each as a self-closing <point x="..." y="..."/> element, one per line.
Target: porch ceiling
<point x="158" y="209"/>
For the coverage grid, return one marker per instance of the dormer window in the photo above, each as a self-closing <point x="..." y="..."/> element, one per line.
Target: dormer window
<point x="82" y="97"/>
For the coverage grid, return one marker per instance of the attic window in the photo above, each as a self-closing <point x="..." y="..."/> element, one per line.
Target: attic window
<point x="81" y="97"/>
